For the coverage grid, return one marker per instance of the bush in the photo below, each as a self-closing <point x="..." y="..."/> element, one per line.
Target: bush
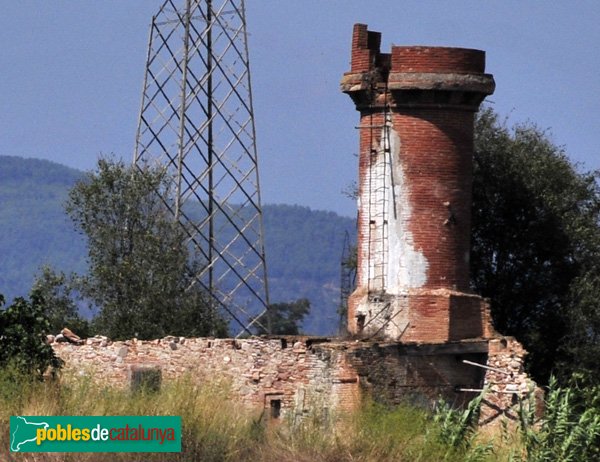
<point x="23" y="344"/>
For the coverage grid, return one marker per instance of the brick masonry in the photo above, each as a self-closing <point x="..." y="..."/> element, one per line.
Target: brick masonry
<point x="417" y="108"/>
<point x="311" y="375"/>
<point x="507" y="384"/>
<point x="293" y="370"/>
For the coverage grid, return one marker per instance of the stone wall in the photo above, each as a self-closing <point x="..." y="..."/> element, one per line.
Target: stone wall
<point x="290" y="370"/>
<point x="298" y="375"/>
<point x="507" y="383"/>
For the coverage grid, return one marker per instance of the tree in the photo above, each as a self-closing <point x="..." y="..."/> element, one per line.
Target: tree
<point x="56" y="290"/>
<point x="23" y="341"/>
<point x="284" y="318"/>
<point x="141" y="273"/>
<point x="536" y="246"/>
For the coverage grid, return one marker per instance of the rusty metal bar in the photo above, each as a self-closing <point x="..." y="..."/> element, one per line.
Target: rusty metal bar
<point x="483" y="366"/>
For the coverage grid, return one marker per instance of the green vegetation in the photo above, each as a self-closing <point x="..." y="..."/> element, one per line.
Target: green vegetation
<point x="536" y="247"/>
<point x="57" y="291"/>
<point x="569" y="430"/>
<point x="217" y="428"/>
<point x="23" y="347"/>
<point x="284" y="318"/>
<point x="457" y="429"/>
<point x="141" y="274"/>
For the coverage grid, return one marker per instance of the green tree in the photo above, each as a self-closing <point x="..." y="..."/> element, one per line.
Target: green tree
<point x="56" y="289"/>
<point x="140" y="269"/>
<point x="284" y="318"/>
<point x="23" y="341"/>
<point x="536" y="246"/>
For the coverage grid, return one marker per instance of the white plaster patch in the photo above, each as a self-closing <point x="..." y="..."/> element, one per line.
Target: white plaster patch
<point x="407" y="268"/>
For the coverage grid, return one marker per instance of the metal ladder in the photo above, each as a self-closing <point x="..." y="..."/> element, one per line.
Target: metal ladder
<point x="379" y="188"/>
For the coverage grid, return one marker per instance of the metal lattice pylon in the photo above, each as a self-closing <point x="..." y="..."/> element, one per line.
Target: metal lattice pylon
<point x="197" y="120"/>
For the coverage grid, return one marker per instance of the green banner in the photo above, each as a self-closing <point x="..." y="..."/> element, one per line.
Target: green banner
<point x="95" y="434"/>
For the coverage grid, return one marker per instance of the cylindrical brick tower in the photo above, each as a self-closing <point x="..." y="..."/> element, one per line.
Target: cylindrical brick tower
<point x="417" y="108"/>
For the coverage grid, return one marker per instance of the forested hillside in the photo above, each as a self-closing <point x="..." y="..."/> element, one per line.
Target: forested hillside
<point x="303" y="246"/>
<point x="34" y="229"/>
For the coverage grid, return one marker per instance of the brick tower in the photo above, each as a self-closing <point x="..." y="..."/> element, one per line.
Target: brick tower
<point x="417" y="108"/>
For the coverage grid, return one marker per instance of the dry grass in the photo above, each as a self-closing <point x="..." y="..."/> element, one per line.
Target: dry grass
<point x="216" y="428"/>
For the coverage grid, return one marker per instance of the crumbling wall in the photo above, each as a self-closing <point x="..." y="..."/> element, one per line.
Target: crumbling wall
<point x="299" y="375"/>
<point x="394" y="373"/>
<point x="288" y="370"/>
<point x="507" y="383"/>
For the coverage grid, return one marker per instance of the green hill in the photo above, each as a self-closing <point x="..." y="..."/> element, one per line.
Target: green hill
<point x="34" y="229"/>
<point x="303" y="246"/>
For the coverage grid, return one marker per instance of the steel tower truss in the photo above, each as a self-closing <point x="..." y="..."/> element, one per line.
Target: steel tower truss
<point x="197" y="119"/>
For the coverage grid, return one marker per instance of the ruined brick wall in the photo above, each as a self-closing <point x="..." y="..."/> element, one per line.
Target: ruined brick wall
<point x="291" y="371"/>
<point x="304" y="375"/>
<point x="395" y="373"/>
<point x="507" y="383"/>
<point x="417" y="108"/>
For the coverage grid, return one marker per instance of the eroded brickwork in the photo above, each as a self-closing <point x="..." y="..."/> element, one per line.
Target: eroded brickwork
<point x="507" y="383"/>
<point x="291" y="370"/>
<point x="417" y="108"/>
<point x="310" y="375"/>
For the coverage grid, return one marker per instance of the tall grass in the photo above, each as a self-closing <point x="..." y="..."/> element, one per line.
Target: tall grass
<point x="217" y="428"/>
<point x="213" y="426"/>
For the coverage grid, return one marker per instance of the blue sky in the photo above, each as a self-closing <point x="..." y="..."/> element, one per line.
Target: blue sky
<point x="71" y="74"/>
